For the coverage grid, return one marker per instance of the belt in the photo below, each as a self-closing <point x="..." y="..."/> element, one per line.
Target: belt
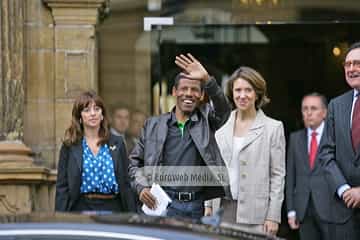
<point x="184" y="196"/>
<point x="99" y="196"/>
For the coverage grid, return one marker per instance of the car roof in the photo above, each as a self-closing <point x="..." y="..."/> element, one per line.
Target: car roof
<point x="135" y="226"/>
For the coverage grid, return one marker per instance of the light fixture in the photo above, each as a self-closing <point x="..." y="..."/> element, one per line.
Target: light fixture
<point x="154" y="5"/>
<point x="336" y="51"/>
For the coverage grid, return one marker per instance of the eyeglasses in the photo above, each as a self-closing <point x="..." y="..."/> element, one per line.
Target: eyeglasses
<point x="354" y="63"/>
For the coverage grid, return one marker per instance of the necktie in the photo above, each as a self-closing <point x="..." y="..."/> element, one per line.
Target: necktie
<point x="355" y="127"/>
<point x="313" y="149"/>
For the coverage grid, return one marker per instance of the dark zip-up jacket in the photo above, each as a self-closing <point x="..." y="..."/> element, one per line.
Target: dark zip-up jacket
<point x="149" y="150"/>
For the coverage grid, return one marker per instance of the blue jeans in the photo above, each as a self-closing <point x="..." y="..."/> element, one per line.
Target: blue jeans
<point x="192" y="209"/>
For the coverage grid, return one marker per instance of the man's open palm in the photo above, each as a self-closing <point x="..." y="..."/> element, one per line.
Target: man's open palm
<point x="192" y="67"/>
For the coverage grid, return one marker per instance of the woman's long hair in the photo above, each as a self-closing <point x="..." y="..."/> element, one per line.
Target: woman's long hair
<point x="75" y="132"/>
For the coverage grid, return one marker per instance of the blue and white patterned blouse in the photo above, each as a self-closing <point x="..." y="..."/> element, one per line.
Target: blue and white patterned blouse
<point x="98" y="174"/>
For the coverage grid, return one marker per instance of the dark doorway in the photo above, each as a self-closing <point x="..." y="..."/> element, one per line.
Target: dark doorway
<point x="295" y="59"/>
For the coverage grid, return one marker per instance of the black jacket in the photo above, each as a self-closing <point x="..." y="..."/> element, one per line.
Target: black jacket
<point x="70" y="170"/>
<point x="149" y="150"/>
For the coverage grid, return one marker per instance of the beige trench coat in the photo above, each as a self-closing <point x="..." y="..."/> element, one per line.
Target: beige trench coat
<point x="262" y="169"/>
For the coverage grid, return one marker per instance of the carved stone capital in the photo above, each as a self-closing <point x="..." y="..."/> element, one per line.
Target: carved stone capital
<point x="77" y="12"/>
<point x="15" y="154"/>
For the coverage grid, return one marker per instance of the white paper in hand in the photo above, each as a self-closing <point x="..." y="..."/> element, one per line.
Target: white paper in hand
<point x="162" y="201"/>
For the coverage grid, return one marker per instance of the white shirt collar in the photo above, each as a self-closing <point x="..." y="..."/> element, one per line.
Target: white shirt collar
<point x="115" y="132"/>
<point x="355" y="93"/>
<point x="319" y="130"/>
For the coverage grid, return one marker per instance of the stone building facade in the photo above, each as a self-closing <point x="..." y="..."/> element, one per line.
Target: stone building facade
<point x="49" y="53"/>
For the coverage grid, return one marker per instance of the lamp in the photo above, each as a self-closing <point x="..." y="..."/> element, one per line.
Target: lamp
<point x="154" y="5"/>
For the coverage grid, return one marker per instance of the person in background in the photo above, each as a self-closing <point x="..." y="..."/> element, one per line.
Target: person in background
<point x="253" y="148"/>
<point x="120" y="120"/>
<point x="137" y="120"/>
<point x="311" y="205"/>
<point x="92" y="168"/>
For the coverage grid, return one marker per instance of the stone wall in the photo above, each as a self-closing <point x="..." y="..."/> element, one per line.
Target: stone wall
<point x="24" y="187"/>
<point x="48" y="54"/>
<point x="39" y="126"/>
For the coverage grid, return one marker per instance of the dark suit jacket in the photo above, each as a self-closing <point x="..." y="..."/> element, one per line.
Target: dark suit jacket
<point x="337" y="155"/>
<point x="130" y="143"/>
<point x="301" y="182"/>
<point x="70" y="170"/>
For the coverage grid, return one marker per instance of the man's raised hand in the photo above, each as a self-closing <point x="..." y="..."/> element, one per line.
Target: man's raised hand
<point x="192" y="67"/>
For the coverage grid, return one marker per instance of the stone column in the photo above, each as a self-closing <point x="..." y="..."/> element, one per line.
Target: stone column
<point x="12" y="75"/>
<point x="23" y="186"/>
<point x="39" y="116"/>
<point x="12" y="69"/>
<point x="76" y="58"/>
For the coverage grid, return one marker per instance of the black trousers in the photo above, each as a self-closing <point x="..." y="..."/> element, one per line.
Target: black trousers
<point x="313" y="228"/>
<point x="86" y="205"/>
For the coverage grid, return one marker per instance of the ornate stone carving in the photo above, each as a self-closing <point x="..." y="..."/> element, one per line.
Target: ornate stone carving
<point x="6" y="206"/>
<point x="77" y="11"/>
<point x="12" y="69"/>
<point x="24" y="187"/>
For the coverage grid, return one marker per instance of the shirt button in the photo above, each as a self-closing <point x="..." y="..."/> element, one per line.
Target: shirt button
<point x="242" y="201"/>
<point x="242" y="189"/>
<point x="243" y="163"/>
<point x="243" y="175"/>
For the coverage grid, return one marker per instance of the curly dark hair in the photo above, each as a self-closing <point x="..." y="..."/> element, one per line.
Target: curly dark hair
<point x="75" y="132"/>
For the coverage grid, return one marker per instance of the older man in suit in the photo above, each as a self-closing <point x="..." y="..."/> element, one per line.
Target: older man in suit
<point x="340" y="155"/>
<point x="311" y="206"/>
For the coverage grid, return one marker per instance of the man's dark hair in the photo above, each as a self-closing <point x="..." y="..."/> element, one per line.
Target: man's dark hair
<point x="180" y="75"/>
<point x="119" y="106"/>
<point x="352" y="47"/>
<point x="316" y="94"/>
